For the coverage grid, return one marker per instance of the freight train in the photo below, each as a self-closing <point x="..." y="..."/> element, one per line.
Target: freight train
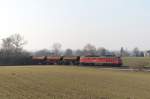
<point x="78" y="60"/>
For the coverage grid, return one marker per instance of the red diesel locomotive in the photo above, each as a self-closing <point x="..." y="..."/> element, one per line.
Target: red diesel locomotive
<point x="115" y="61"/>
<point x="78" y="60"/>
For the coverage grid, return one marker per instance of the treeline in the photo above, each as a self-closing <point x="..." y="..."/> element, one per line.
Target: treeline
<point x="13" y="53"/>
<point x="89" y="49"/>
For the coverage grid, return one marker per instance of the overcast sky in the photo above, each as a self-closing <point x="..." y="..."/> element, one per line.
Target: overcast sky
<point x="74" y="23"/>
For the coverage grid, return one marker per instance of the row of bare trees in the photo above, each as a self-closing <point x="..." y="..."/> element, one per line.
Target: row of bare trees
<point x="88" y="49"/>
<point x="136" y="52"/>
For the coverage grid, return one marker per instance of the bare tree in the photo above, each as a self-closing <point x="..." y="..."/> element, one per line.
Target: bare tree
<point x="7" y="47"/>
<point x="43" y="52"/>
<point x="12" y="44"/>
<point x="89" y="49"/>
<point x="78" y="52"/>
<point x="122" y="51"/>
<point x="7" y="44"/>
<point x="136" y="52"/>
<point x="101" y="51"/>
<point x="18" y="42"/>
<point x="12" y="52"/>
<point x="68" y="52"/>
<point x="56" y="48"/>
